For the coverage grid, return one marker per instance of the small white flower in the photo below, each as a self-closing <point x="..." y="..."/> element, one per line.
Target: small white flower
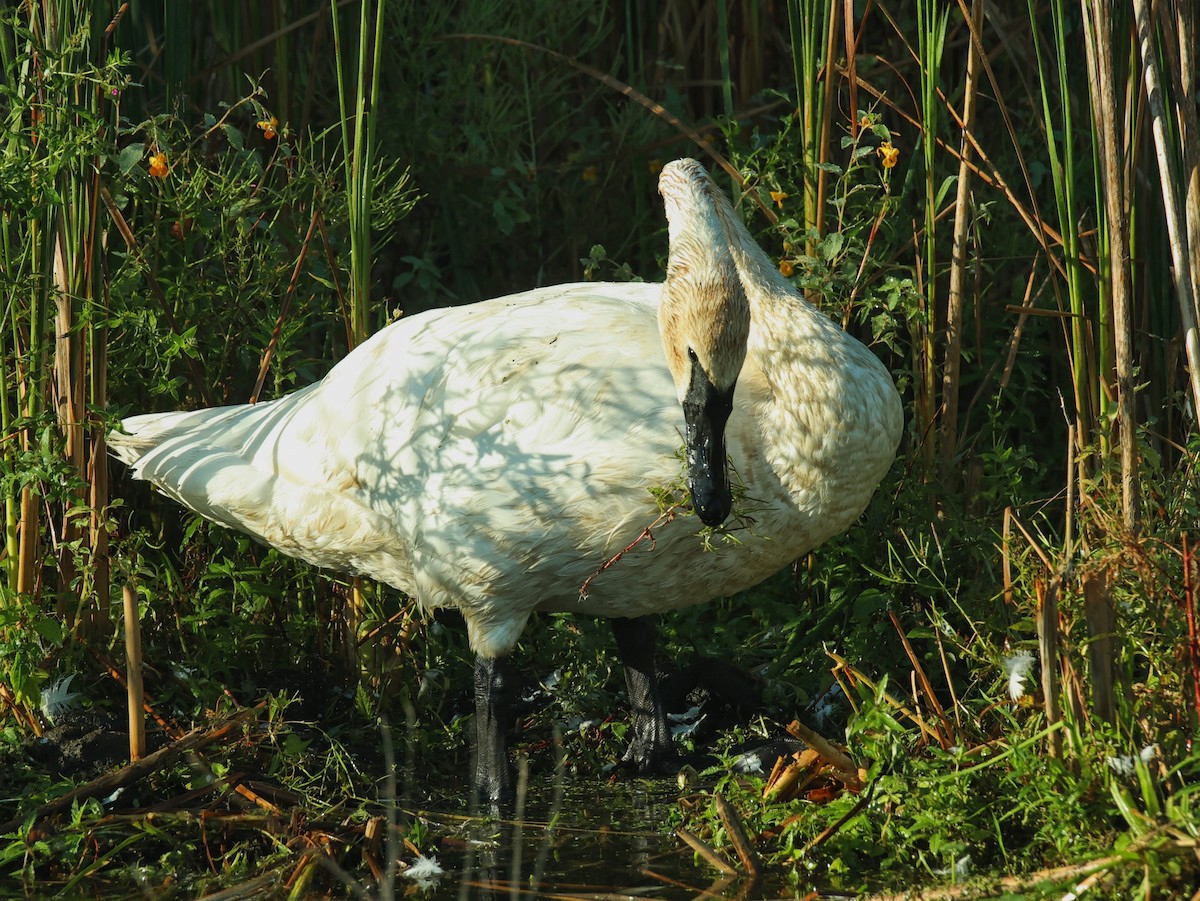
<point x="425" y="871"/>
<point x="1017" y="667"/>
<point x="57" y="698"/>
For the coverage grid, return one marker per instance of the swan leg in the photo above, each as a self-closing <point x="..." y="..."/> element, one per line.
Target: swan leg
<point x="651" y="750"/>
<point x="493" y="776"/>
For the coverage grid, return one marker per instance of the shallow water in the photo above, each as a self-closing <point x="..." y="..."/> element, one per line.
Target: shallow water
<point x="580" y="838"/>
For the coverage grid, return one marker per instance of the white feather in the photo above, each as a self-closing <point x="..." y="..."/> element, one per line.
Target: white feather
<point x="493" y="457"/>
<point x="1018" y="666"/>
<point x="424" y="871"/>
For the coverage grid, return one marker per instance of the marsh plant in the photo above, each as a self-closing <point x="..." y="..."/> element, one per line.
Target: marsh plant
<point x="1003" y="650"/>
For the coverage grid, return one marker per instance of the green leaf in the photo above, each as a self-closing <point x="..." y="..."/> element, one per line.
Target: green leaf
<point x="129" y="157"/>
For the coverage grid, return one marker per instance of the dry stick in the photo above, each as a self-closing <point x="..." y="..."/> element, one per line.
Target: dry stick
<point x="114" y="673"/>
<point x="1098" y="41"/>
<point x="1176" y="229"/>
<point x="738" y="837"/>
<point x="942" y="724"/>
<point x="1069" y="513"/>
<point x="337" y="282"/>
<point x="1006" y="884"/>
<point x="822" y="746"/>
<point x="833" y="828"/>
<point x="843" y="666"/>
<point x="197" y="369"/>
<point x="1189" y="600"/>
<point x="175" y="732"/>
<point x="136" y="696"/>
<point x="1043" y="231"/>
<point x="1101" y="618"/>
<point x="26" y="720"/>
<point x="1183" y="83"/>
<point x="958" y="258"/>
<point x="707" y="852"/>
<point x="1033" y="544"/>
<point x="1047" y="630"/>
<point x="269" y="353"/>
<point x="636" y="96"/>
<point x="937" y="635"/>
<point x="851" y="64"/>
<point x="107" y="784"/>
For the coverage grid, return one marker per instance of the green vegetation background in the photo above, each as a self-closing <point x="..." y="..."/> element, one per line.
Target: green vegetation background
<point x="179" y="230"/>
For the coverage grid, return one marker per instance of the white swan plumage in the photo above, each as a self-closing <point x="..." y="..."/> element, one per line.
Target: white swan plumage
<point x="494" y="457"/>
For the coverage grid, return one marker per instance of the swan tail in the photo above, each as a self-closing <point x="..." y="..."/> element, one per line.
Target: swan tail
<point x="141" y="434"/>
<point x="215" y="463"/>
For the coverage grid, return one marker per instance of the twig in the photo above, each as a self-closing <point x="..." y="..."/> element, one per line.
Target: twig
<point x="269" y="353"/>
<point x="707" y="852"/>
<point x="636" y="96"/>
<point x="832" y="829"/>
<point x="196" y="367"/>
<point x="195" y="740"/>
<point x="822" y="746"/>
<point x="946" y="741"/>
<point x="664" y="518"/>
<point x="738" y="837"/>
<point x="1189" y="601"/>
<point x="1047" y="630"/>
<point x="136" y="700"/>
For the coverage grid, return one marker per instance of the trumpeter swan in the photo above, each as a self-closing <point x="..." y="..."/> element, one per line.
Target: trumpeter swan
<point x="494" y="457"/>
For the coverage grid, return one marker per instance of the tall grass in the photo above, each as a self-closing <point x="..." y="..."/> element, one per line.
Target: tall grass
<point x="1027" y="269"/>
<point x="62" y="114"/>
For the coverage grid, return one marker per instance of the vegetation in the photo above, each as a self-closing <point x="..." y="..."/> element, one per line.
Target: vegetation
<point x="213" y="205"/>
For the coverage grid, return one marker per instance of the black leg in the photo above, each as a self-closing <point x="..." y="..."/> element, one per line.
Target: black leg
<point x="493" y="777"/>
<point x="650" y="751"/>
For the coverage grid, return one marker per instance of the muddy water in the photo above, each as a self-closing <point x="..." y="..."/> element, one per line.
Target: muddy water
<point x="579" y="838"/>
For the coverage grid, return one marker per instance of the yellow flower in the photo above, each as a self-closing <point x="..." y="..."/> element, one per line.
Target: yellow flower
<point x="269" y="127"/>
<point x="786" y="268"/>
<point x="655" y="166"/>
<point x="591" y="175"/>
<point x="158" y="165"/>
<point x="779" y="197"/>
<point x="889" y="154"/>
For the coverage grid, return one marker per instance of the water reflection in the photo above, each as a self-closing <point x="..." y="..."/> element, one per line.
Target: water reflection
<point x="579" y="838"/>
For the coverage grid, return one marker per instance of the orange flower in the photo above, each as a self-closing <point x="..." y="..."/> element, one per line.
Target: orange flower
<point x="786" y="268"/>
<point x="889" y="154"/>
<point x="158" y="165"/>
<point x="779" y="197"/>
<point x="269" y="127"/>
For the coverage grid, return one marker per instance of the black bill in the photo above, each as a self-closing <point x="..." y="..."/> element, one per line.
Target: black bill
<point x="706" y="409"/>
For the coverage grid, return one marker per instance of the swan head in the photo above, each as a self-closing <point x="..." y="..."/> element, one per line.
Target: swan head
<point x="704" y="322"/>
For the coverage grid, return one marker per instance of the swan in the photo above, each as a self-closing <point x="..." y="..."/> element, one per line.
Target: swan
<point x="499" y="457"/>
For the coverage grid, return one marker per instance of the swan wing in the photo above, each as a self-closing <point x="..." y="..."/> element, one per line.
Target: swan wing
<point x="450" y="452"/>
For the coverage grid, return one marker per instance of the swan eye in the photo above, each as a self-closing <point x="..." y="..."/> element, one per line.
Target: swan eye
<point x="692" y="356"/>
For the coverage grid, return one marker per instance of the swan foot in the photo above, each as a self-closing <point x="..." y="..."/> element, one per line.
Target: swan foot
<point x="650" y="752"/>
<point x="493" y="695"/>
